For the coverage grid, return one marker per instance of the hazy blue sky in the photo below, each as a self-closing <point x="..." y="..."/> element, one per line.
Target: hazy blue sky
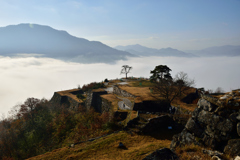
<point x="181" y="24"/>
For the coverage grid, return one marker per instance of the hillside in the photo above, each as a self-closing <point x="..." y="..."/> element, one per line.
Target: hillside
<point x="122" y="119"/>
<point x="137" y="147"/>
<point x="49" y="42"/>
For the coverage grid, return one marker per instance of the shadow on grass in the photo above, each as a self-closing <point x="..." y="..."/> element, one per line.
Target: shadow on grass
<point x="164" y="133"/>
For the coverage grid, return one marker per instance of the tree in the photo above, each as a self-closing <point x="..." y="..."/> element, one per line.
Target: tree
<point x="168" y="88"/>
<point x="219" y="90"/>
<point x="125" y="69"/>
<point x="161" y="72"/>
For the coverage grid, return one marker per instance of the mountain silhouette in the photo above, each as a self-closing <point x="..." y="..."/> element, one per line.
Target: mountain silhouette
<point x="49" y="42"/>
<point x="145" y="51"/>
<point x="226" y="50"/>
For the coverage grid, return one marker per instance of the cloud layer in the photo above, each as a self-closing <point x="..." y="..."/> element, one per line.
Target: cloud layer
<point x="41" y="77"/>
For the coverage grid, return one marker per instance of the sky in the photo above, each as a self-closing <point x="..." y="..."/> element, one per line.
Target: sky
<point x="180" y="24"/>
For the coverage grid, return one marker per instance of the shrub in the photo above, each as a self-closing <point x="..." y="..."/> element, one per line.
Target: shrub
<point x="91" y="86"/>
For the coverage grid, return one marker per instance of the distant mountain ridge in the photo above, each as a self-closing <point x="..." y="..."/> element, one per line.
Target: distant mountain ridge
<point x="145" y="51"/>
<point x="34" y="38"/>
<point x="227" y="50"/>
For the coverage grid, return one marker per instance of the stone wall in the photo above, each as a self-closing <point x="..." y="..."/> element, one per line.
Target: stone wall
<point x="120" y="92"/>
<point x="95" y="100"/>
<point x="59" y="100"/>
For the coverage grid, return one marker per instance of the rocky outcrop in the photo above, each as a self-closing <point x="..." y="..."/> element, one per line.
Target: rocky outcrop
<point x="210" y="127"/>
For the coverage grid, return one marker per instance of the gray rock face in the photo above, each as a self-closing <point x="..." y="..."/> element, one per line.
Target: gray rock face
<point x="183" y="138"/>
<point x="193" y="127"/>
<point x="162" y="154"/>
<point x="210" y="128"/>
<point x="205" y="105"/>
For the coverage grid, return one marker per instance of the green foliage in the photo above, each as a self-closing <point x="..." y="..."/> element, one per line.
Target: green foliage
<point x="106" y="80"/>
<point x="91" y="86"/>
<point x="161" y="72"/>
<point x="80" y="96"/>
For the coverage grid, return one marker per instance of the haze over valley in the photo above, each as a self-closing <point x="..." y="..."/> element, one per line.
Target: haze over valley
<point x="23" y="77"/>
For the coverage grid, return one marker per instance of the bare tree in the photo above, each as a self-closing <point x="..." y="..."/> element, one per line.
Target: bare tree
<point x="169" y="89"/>
<point x="125" y="69"/>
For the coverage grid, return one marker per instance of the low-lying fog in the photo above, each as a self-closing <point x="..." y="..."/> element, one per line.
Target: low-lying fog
<point x="41" y="77"/>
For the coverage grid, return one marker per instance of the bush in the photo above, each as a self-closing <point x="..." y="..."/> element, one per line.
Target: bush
<point x="91" y="86"/>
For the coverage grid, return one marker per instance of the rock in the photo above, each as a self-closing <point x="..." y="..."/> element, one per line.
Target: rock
<point x="92" y="139"/>
<point x="216" y="158"/>
<point x="212" y="153"/>
<point x="207" y="106"/>
<point x="238" y="128"/>
<point x="233" y="147"/>
<point x="162" y="154"/>
<point x="183" y="138"/>
<point x="193" y="127"/>
<point x="195" y="113"/>
<point x="233" y="117"/>
<point x="158" y="123"/>
<point x="209" y="141"/>
<point x="238" y="117"/>
<point x="208" y="128"/>
<point x="121" y="146"/>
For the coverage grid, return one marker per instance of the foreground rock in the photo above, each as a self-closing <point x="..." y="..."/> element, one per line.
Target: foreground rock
<point x="212" y="125"/>
<point x="162" y="154"/>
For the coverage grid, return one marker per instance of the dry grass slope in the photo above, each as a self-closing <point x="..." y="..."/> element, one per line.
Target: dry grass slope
<point x="138" y="146"/>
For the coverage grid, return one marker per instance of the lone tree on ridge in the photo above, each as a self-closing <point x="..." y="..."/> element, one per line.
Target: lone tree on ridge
<point x="125" y="69"/>
<point x="161" y="72"/>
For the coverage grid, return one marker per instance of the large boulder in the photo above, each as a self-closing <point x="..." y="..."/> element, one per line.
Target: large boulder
<point x="183" y="138"/>
<point x="162" y="154"/>
<point x="193" y="127"/>
<point x="158" y="123"/>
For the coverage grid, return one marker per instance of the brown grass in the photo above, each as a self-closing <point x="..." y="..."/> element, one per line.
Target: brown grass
<point x="138" y="147"/>
<point x="191" y="152"/>
<point x="113" y="99"/>
<point x="141" y="93"/>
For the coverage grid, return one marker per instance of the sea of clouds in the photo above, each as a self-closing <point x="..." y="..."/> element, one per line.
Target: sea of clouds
<point x="23" y="77"/>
